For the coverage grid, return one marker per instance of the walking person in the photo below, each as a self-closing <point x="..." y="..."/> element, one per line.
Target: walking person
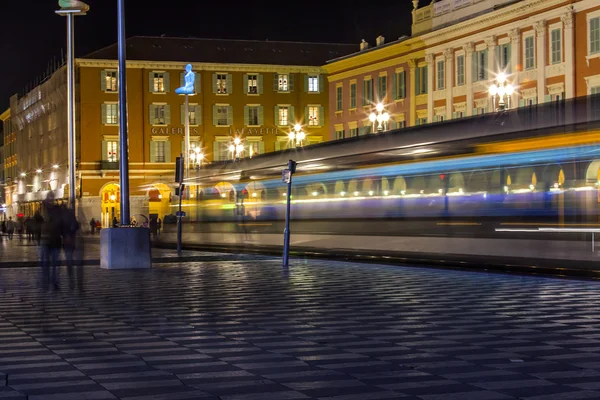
<point x="10" y="228"/>
<point x="158" y="226"/>
<point x="70" y="227"/>
<point x="51" y="242"/>
<point x="38" y="221"/>
<point x="20" y="229"/>
<point x="93" y="226"/>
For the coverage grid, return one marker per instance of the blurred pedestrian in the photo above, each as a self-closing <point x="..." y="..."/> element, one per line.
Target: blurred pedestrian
<point x="38" y="221"/>
<point x="115" y="222"/>
<point x="70" y="227"/>
<point x="10" y="228"/>
<point x="158" y="225"/>
<point x="51" y="241"/>
<point x="93" y="226"/>
<point x="20" y="229"/>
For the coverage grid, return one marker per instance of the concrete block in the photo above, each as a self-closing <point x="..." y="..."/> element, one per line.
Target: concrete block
<point x="125" y="248"/>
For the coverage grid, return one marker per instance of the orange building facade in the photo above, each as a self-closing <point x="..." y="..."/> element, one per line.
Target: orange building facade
<point x="547" y="49"/>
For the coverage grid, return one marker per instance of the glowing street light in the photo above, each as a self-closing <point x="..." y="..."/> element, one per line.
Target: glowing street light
<point x="297" y="136"/>
<point x="382" y="118"/>
<point x="236" y="148"/>
<point x="501" y="93"/>
<point x="55" y="166"/>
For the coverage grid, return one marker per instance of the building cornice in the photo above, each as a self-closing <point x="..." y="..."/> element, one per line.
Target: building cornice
<point x="5" y="115"/>
<point x="430" y="39"/>
<point x="170" y="65"/>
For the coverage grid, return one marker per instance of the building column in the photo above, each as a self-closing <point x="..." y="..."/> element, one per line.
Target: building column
<point x="492" y="64"/>
<point x="469" y="48"/>
<point x="540" y="29"/>
<point x="449" y="57"/>
<point x="515" y="57"/>
<point x="412" y="65"/>
<point x="569" y="44"/>
<point x="430" y="73"/>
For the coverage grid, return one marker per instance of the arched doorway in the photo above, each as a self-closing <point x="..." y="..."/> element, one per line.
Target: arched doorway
<point x="111" y="197"/>
<point x="159" y="200"/>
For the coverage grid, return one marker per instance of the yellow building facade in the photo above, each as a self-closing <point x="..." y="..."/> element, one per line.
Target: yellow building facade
<point x="258" y="99"/>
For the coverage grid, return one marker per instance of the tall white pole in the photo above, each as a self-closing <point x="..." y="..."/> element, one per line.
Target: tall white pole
<point x="187" y="136"/>
<point x="71" y="106"/>
<point x="123" y="133"/>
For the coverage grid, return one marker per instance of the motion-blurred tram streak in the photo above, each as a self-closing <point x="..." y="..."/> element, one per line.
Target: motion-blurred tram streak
<point x="532" y="166"/>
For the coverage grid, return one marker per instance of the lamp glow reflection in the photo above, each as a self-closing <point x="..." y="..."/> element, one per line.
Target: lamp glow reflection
<point x="297" y="136"/>
<point x="501" y="92"/>
<point x="382" y="118"/>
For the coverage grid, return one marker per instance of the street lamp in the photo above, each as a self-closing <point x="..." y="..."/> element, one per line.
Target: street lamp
<point x="297" y="136"/>
<point x="501" y="93"/>
<point x="382" y="118"/>
<point x="236" y="149"/>
<point x="196" y="158"/>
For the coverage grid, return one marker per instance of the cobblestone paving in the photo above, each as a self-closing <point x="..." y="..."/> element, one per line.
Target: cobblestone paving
<point x="337" y="331"/>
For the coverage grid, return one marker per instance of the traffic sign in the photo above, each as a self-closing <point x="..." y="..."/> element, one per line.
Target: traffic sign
<point x="286" y="175"/>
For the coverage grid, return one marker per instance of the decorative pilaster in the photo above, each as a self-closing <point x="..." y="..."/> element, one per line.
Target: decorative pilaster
<point x="515" y="41"/>
<point x="412" y="65"/>
<point x="567" y="20"/>
<point x="430" y="72"/>
<point x="541" y="49"/>
<point x="469" y="48"/>
<point x="492" y="62"/>
<point x="449" y="57"/>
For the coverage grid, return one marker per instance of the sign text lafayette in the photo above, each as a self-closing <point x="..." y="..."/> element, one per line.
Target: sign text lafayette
<point x="173" y="131"/>
<point x="253" y="131"/>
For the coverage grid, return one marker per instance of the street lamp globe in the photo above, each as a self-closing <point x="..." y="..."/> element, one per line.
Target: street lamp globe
<point x="301" y="136"/>
<point x="501" y="91"/>
<point x="493" y="90"/>
<point x="231" y="148"/>
<point x="510" y="89"/>
<point x="372" y="117"/>
<point x="386" y="117"/>
<point x="239" y="148"/>
<point x="237" y="141"/>
<point x="297" y="127"/>
<point x="501" y="78"/>
<point x="379" y="107"/>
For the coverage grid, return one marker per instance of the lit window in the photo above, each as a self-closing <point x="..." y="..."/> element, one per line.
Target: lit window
<point x="159" y="114"/>
<point x="159" y="156"/>
<point x="313" y="116"/>
<point x="110" y="81"/>
<point x="556" y="46"/>
<point x="252" y="84"/>
<point x="283" y="83"/>
<point x="460" y="70"/>
<point x="253" y="115"/>
<point x="529" y="53"/>
<point x="111" y="114"/>
<point x="222" y="83"/>
<point x="222" y="112"/>
<point x="283" y="116"/>
<point x="159" y="82"/>
<point x="313" y="84"/>
<point x="112" y="151"/>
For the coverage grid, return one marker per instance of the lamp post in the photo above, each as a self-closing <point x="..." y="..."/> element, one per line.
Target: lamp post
<point x="297" y="136"/>
<point x="501" y="93"/>
<point x="71" y="9"/>
<point x="236" y="149"/>
<point x="196" y="157"/>
<point x="382" y="118"/>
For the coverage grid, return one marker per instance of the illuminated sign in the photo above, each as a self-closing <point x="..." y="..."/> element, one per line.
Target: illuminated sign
<point x="173" y="131"/>
<point x="253" y="131"/>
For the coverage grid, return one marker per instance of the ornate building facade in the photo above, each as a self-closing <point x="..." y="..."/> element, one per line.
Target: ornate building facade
<point x="548" y="50"/>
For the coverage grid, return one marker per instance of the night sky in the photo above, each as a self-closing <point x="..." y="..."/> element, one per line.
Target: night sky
<point x="32" y="35"/>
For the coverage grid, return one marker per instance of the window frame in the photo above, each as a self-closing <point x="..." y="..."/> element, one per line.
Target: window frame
<point x="252" y="78"/>
<point x="280" y="109"/>
<point x="116" y="79"/>
<point x="113" y="105"/>
<point x="164" y="108"/>
<point x="221" y="81"/>
<point x="551" y="51"/>
<point x="251" y="108"/>
<point x="314" y="80"/>
<point x="283" y="87"/>
<point x="339" y="98"/>
<point x="311" y="122"/>
<point x="529" y="36"/>
<point x="110" y="158"/>
<point x="592" y="16"/>
<point x="442" y="76"/>
<point x="155" y="83"/>
<point x="458" y="74"/>
<point x="353" y="93"/>
<point x="226" y="107"/>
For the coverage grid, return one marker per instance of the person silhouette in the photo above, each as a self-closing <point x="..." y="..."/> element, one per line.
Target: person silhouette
<point x="190" y="80"/>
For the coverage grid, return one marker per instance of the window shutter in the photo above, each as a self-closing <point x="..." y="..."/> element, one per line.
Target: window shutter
<point x="418" y="82"/>
<point x="103" y="81"/>
<point x="104" y="150"/>
<point x="229" y="84"/>
<point x="474" y="66"/>
<point x="365" y="96"/>
<point x="214" y="83"/>
<point x="276" y="115"/>
<point x="425" y="76"/>
<point x="215" y="118"/>
<point x="306" y="83"/>
<point x="306" y="115"/>
<point x="151" y="82"/>
<point x="485" y="63"/>
<point x="167" y="114"/>
<point x="198" y="114"/>
<point x="246" y="116"/>
<point x="321" y="116"/>
<point x="402" y="85"/>
<point x="167" y="82"/>
<point x="291" y="117"/>
<point x="152" y="114"/>
<point x="245" y="83"/>
<point x="181" y="79"/>
<point x="509" y="59"/>
<point x="291" y="82"/>
<point x="182" y="107"/>
<point x="229" y="115"/>
<point x="321" y="84"/>
<point x="261" y="115"/>
<point x="394" y="88"/>
<point x="168" y="151"/>
<point x="104" y="113"/>
<point x="152" y="151"/>
<point x="216" y="154"/>
<point x="197" y="83"/>
<point x="260" y="84"/>
<point x="276" y="82"/>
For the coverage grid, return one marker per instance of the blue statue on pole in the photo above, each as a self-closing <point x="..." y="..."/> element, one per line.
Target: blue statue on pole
<point x="73" y="5"/>
<point x="190" y="80"/>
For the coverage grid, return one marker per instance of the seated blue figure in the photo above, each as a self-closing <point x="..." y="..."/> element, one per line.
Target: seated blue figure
<point x="190" y="80"/>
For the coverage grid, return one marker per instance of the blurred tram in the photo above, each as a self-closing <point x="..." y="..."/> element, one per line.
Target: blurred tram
<point x="537" y="165"/>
